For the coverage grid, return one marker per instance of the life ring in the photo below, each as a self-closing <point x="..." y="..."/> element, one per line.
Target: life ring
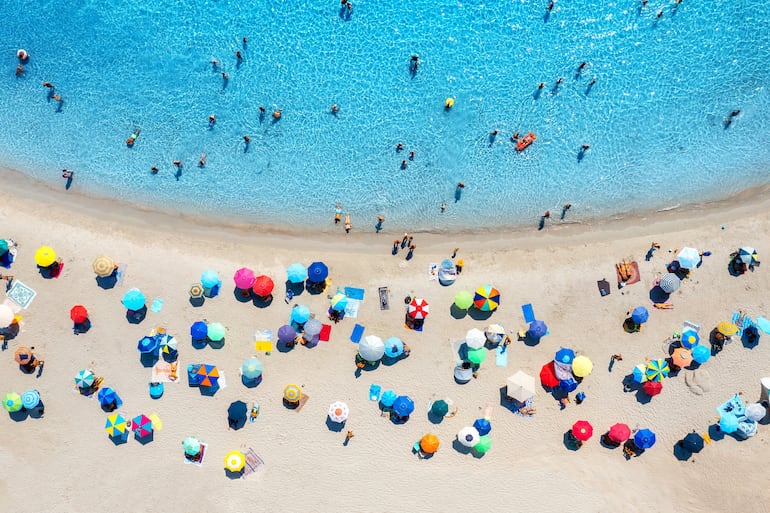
<point x="449" y="103"/>
<point x="525" y="141"/>
<point x="22" y="54"/>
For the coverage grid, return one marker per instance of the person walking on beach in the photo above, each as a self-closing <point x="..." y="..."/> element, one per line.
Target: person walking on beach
<point x="410" y="253"/>
<point x="395" y="247"/>
<point x="545" y="216"/>
<point x="454" y="252"/>
<point x="404" y="240"/>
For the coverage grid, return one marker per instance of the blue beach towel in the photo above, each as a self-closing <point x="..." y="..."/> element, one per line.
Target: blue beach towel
<point x="763" y="324"/>
<point x="529" y="313"/>
<point x="354" y="293"/>
<point x="358" y="331"/>
<point x="501" y="356"/>
<point x="157" y="305"/>
<point x="374" y="392"/>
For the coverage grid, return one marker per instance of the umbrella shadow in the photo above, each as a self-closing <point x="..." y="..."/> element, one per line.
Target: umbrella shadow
<point x="148" y="359"/>
<point x="233" y="475"/>
<point x="107" y="282"/>
<point x="38" y="411"/>
<point x="199" y="343"/>
<point x="479" y="315"/>
<point x="569" y="441"/>
<point x="242" y="295"/>
<point x="144" y="440"/>
<point x="136" y="316"/>
<point x="750" y="338"/>
<point x="261" y="302"/>
<point x="457" y="313"/>
<point x="81" y="327"/>
<point x="642" y="397"/>
<point x="283" y="347"/>
<point x="336" y="427"/>
<point x="315" y="287"/>
<point x="478" y="455"/>
<point x="216" y="344"/>
<point x="209" y="391"/>
<point x="605" y="442"/>
<point x="50" y="272"/>
<point x="462" y="449"/>
<point x="658" y="295"/>
<point x="120" y="440"/>
<point x="251" y="383"/>
<point x="19" y="416"/>
<point x="505" y="401"/>
<point x="435" y="419"/>
<point x="295" y="288"/>
<point x="197" y="301"/>
<point x="715" y="433"/>
<point x="680" y="452"/>
<point x="290" y="405"/>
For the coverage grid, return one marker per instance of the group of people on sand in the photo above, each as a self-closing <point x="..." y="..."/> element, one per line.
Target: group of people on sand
<point x="405" y="242"/>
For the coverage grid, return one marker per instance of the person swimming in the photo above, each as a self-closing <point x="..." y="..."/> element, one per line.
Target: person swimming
<point x="337" y="213"/>
<point x="348" y="225"/>
<point x="132" y="138"/>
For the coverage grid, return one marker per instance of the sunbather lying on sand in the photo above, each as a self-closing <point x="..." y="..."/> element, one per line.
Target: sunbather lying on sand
<point x="526" y="410"/>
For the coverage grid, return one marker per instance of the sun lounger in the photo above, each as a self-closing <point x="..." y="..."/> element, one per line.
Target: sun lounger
<point x="529" y="313"/>
<point x="358" y="332"/>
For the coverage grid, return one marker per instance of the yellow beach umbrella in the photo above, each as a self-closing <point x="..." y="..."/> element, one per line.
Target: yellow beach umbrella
<point x="104" y="266"/>
<point x="582" y="366"/>
<point x="292" y="393"/>
<point x="45" y="256"/>
<point x="727" y="329"/>
<point x="235" y="461"/>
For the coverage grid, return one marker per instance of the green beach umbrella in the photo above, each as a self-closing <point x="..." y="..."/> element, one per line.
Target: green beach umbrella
<point x="216" y="331"/>
<point x="12" y="402"/>
<point x="84" y="378"/>
<point x="477" y="355"/>
<point x="485" y="443"/>
<point x="192" y="446"/>
<point x="463" y="300"/>
<point x="439" y="408"/>
<point x="3" y="246"/>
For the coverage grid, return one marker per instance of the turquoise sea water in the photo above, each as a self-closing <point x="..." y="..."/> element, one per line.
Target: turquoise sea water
<point x="654" y="119"/>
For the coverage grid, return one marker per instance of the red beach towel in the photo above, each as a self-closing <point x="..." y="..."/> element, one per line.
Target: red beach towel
<point x="326" y="330"/>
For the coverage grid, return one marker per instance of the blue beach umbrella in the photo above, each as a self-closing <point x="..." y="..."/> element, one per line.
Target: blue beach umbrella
<point x="286" y="333"/>
<point x="394" y="347"/>
<point x="108" y="396"/>
<point x="134" y="300"/>
<point x="296" y="273"/>
<point x="644" y="439"/>
<point x="300" y="314"/>
<point x="728" y="423"/>
<point x="317" y="272"/>
<point x="148" y="345"/>
<point x="568" y="385"/>
<point x="30" y="399"/>
<point x="388" y="397"/>
<point x="690" y="339"/>
<point x="537" y="329"/>
<point x="403" y="406"/>
<point x="483" y="426"/>
<point x="640" y="315"/>
<point x="639" y="373"/>
<point x="564" y="355"/>
<point x="199" y="330"/>
<point x="210" y="279"/>
<point x="700" y="354"/>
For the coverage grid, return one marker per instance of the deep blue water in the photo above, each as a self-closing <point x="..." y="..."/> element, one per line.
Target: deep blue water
<point x="654" y="119"/>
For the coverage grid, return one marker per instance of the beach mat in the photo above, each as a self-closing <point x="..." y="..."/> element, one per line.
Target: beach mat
<point x="634" y="274"/>
<point x="529" y="313"/>
<point x="253" y="462"/>
<point x="351" y="310"/>
<point x="384" y="301"/>
<point x="763" y="324"/>
<point x="517" y="405"/>
<point x="21" y="294"/>
<point x="374" y="392"/>
<point x="164" y="372"/>
<point x="604" y="287"/>
<point x="354" y="293"/>
<point x="358" y="332"/>
<point x="501" y="356"/>
<point x="326" y="330"/>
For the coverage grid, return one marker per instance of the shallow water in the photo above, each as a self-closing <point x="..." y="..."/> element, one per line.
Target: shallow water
<point x="654" y="119"/>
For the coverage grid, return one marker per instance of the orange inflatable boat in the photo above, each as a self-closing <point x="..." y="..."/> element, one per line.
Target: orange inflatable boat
<point x="525" y="141"/>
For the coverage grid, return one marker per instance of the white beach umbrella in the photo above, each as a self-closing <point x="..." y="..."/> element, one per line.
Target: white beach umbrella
<point x="6" y="316"/>
<point x="475" y="338"/>
<point x="688" y="258"/>
<point x="338" y="412"/>
<point x="495" y="333"/>
<point x="468" y="436"/>
<point x="521" y="386"/>
<point x="756" y="412"/>
<point x="371" y="348"/>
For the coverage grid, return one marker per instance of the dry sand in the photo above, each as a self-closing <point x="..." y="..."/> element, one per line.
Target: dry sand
<point x="64" y="462"/>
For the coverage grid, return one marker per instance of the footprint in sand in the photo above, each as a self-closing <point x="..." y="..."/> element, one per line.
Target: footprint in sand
<point x="698" y="382"/>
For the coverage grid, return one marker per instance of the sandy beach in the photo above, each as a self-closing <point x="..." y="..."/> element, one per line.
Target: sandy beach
<point x="64" y="461"/>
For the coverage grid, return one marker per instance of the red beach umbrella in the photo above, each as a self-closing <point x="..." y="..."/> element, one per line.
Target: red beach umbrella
<point x="653" y="387"/>
<point x="619" y="433"/>
<point x="582" y="430"/>
<point x="263" y="285"/>
<point x="418" y="308"/>
<point x="548" y="375"/>
<point x="79" y="314"/>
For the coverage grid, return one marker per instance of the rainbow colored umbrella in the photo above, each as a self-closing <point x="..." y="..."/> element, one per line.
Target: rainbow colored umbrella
<point x="486" y="298"/>
<point x="115" y="425"/>
<point x="418" y="309"/>
<point x="657" y="370"/>
<point x="141" y="425"/>
<point x="244" y="278"/>
<point x="208" y="375"/>
<point x="12" y="402"/>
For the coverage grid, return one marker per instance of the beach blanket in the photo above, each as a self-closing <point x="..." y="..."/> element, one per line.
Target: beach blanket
<point x="740" y="321"/>
<point x="432" y="271"/>
<point x="501" y="356"/>
<point x="199" y="462"/>
<point x="263" y="340"/>
<point x="633" y="270"/>
<point x="529" y="313"/>
<point x="358" y="332"/>
<point x="120" y="273"/>
<point x="763" y="324"/>
<point x="253" y="462"/>
<point x="374" y="392"/>
<point x="384" y="301"/>
<point x="351" y="310"/>
<point x="326" y="330"/>
<point x="604" y="287"/>
<point x="21" y="294"/>
<point x="354" y="293"/>
<point x="165" y="372"/>
<point x="517" y="406"/>
<point x="157" y="305"/>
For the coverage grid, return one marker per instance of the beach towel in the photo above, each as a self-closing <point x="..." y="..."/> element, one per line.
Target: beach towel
<point x="432" y="271"/>
<point x="740" y="321"/>
<point x="120" y="273"/>
<point x="384" y="302"/>
<point x="517" y="406"/>
<point x="763" y="324"/>
<point x="157" y="305"/>
<point x="253" y="462"/>
<point x="501" y="356"/>
<point x="604" y="287"/>
<point x="351" y="310"/>
<point x="199" y="461"/>
<point x="358" y="332"/>
<point x="165" y="372"/>
<point x="631" y="268"/>
<point x="21" y="294"/>
<point x="374" y="392"/>
<point x="326" y="330"/>
<point x="263" y="340"/>
<point x="529" y="313"/>
<point x="354" y="293"/>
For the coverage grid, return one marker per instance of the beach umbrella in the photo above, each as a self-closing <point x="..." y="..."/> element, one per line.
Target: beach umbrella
<point x="115" y="425"/>
<point x="141" y="425"/>
<point x="317" y="272"/>
<point x="133" y="300"/>
<point x="681" y="357"/>
<point x="104" y="266"/>
<point x="475" y="338"/>
<point x="312" y="328"/>
<point x="652" y="388"/>
<point x="439" y="408"/>
<point x="468" y="436"/>
<point x="483" y="445"/>
<point x="84" y="378"/>
<point x="582" y="430"/>
<point x="640" y="315"/>
<point x="107" y="396"/>
<point x="548" y="376"/>
<point x="520" y="386"/>
<point x="568" y="385"/>
<point x="236" y="414"/>
<point x="701" y="353"/>
<point x="23" y="355"/>
<point x="429" y="443"/>
<point x="394" y="347"/>
<point x="639" y="373"/>
<point x="418" y="308"/>
<point x="537" y="329"/>
<point x="79" y="314"/>
<point x="748" y="255"/>
<point x="215" y="331"/>
<point x="12" y="402"/>
<point x="728" y="423"/>
<point x="292" y="393"/>
<point x="192" y="446"/>
<point x="196" y="291"/>
<point x="208" y="375"/>
<point x="199" y="330"/>
<point x="403" y="406"/>
<point x="669" y="283"/>
<point x="728" y="329"/>
<point x="657" y="370"/>
<point x="483" y="426"/>
<point x="494" y="333"/>
<point x="477" y="356"/>
<point x="582" y="366"/>
<point x="300" y="314"/>
<point x="296" y="273"/>
<point x="644" y="439"/>
<point x="564" y="355"/>
<point x="338" y="412"/>
<point x="210" y="279"/>
<point x="688" y="258"/>
<point x="168" y="345"/>
<point x="6" y="316"/>
<point x="235" y="461"/>
<point x="388" y="398"/>
<point x="619" y="433"/>
<point x="486" y="298"/>
<point x="263" y="285"/>
<point x="463" y="300"/>
<point x="244" y="278"/>
<point x="690" y="339"/>
<point x="693" y="442"/>
<point x="45" y="256"/>
<point x="251" y="368"/>
<point x="371" y="348"/>
<point x="756" y="412"/>
<point x="3" y="247"/>
<point x="339" y="302"/>
<point x="147" y="345"/>
<point x="30" y="399"/>
<point x="286" y="333"/>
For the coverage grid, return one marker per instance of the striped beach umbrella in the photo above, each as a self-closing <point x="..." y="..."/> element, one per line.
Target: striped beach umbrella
<point x="192" y="446"/>
<point x="141" y="425"/>
<point x="486" y="298"/>
<point x="338" y="412"/>
<point x="12" y="402"/>
<point x="657" y="370"/>
<point x="84" y="378"/>
<point x="690" y="339"/>
<point x="748" y="255"/>
<point x="208" y="375"/>
<point x="263" y="285"/>
<point x="235" y="461"/>
<point x="418" y="308"/>
<point x="644" y="439"/>
<point x="168" y="344"/>
<point x="104" y="266"/>
<point x="669" y="282"/>
<point x="115" y="425"/>
<point x="292" y="393"/>
<point x="582" y="430"/>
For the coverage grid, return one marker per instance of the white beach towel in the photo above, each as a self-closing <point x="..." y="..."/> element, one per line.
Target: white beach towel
<point x="351" y="310"/>
<point x="432" y="272"/>
<point x="21" y="295"/>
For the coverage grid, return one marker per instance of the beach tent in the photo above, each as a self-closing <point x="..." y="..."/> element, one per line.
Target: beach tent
<point x="548" y="376"/>
<point x="263" y="285"/>
<point x="236" y="414"/>
<point x="520" y="386"/>
<point x="338" y="412"/>
<point x="619" y="433"/>
<point x="418" y="309"/>
<point x="104" y="266"/>
<point x="371" y="348"/>
<point x="296" y="273"/>
<point x="486" y="298"/>
<point x="468" y="436"/>
<point x="317" y="272"/>
<point x="447" y="273"/>
<point x="403" y="406"/>
<point x="475" y="338"/>
<point x="244" y="278"/>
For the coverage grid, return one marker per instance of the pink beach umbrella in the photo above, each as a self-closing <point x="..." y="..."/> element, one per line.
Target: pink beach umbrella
<point x="244" y="278"/>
